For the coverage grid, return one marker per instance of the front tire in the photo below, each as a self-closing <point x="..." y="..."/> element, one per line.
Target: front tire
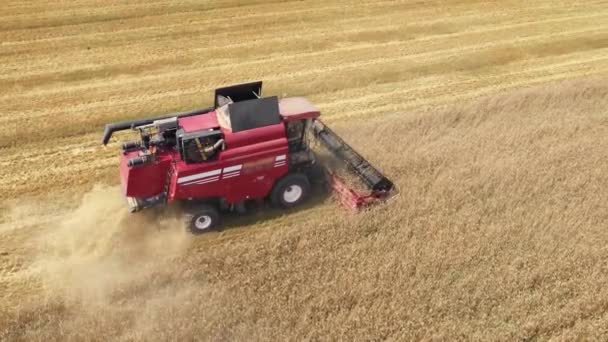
<point x="290" y="191"/>
<point x="202" y="219"/>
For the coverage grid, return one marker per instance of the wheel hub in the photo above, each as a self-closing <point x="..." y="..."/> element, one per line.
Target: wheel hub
<point x="292" y="194"/>
<point x="203" y="222"/>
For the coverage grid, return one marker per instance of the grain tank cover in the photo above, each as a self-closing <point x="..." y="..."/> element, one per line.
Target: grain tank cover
<point x="239" y="92"/>
<point x="256" y="113"/>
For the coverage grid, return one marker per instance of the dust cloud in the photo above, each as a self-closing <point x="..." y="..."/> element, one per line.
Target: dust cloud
<point x="98" y="250"/>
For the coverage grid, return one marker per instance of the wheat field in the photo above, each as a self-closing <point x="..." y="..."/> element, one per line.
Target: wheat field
<point x="490" y="116"/>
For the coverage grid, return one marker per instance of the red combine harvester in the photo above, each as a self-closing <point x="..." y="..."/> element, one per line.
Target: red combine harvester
<point x="246" y="147"/>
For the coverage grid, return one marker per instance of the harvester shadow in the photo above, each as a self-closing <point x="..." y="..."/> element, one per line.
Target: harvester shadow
<point x="260" y="213"/>
<point x="257" y="213"/>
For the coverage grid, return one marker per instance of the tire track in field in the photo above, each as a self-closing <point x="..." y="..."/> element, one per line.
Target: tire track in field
<point x="28" y="7"/>
<point x="428" y="56"/>
<point x="392" y="91"/>
<point x="203" y="24"/>
<point x="86" y="8"/>
<point x="239" y="12"/>
<point x="280" y="58"/>
<point x="241" y="32"/>
<point x="135" y="23"/>
<point x="446" y="98"/>
<point x="327" y="33"/>
<point x="100" y="14"/>
<point x="59" y="64"/>
<point x="48" y="66"/>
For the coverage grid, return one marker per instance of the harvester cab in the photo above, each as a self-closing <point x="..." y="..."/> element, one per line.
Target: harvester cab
<point x="245" y="148"/>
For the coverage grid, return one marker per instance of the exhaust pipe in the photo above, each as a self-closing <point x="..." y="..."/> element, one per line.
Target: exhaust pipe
<point x="138" y="161"/>
<point x="131" y="146"/>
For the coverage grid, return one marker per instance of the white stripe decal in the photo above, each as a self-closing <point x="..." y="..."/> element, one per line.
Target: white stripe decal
<point x="232" y="173"/>
<point x="230" y="176"/>
<point x="199" y="176"/>
<point x="233" y="168"/>
<point x="208" y="180"/>
<point x="281" y="157"/>
<point x="203" y="180"/>
<point x="279" y="164"/>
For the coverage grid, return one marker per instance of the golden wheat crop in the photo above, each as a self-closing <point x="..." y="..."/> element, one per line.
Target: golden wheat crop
<point x="498" y="232"/>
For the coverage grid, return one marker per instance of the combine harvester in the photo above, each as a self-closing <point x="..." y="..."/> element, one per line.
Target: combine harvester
<point x="245" y="148"/>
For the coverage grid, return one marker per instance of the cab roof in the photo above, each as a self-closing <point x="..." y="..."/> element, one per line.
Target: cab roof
<point x="297" y="108"/>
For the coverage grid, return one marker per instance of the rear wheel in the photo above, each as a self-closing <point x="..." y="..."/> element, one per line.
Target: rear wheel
<point x="290" y="191"/>
<point x="201" y="219"/>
